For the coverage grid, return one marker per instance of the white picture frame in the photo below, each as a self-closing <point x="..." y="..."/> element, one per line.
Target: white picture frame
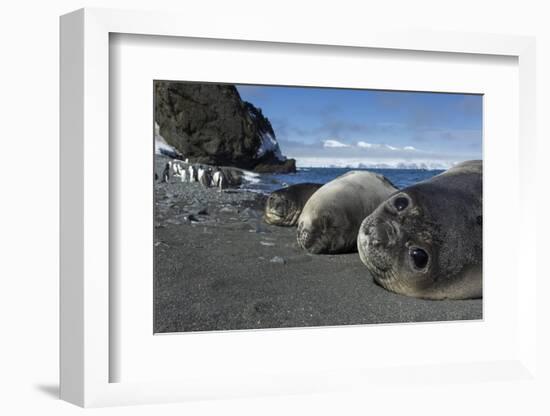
<point x="85" y="182"/>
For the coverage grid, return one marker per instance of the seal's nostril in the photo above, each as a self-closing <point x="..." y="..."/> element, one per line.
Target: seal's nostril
<point x="379" y="235"/>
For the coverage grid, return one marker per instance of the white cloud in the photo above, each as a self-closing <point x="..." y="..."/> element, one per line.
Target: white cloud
<point x="334" y="143"/>
<point x="366" y="145"/>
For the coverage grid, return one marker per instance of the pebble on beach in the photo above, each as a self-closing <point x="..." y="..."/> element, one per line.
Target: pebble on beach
<point x="277" y="260"/>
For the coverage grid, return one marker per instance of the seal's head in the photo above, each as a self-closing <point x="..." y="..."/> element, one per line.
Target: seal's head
<point x="399" y="245"/>
<point x="281" y="210"/>
<point x="320" y="231"/>
<point x="426" y="240"/>
<point x="284" y="206"/>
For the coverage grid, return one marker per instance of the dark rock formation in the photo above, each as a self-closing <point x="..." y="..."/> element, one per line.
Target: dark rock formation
<point x="211" y="124"/>
<point x="270" y="166"/>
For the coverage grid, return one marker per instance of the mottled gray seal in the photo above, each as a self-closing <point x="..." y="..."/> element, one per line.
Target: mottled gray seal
<point x="332" y="216"/>
<point x="284" y="206"/>
<point x="426" y="240"/>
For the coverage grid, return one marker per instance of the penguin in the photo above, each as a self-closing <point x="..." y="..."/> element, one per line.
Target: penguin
<point x="219" y="180"/>
<point x="177" y="169"/>
<point x="222" y="183"/>
<point x="204" y="177"/>
<point x="200" y="173"/>
<point x="166" y="172"/>
<point x="192" y="174"/>
<point x="216" y="178"/>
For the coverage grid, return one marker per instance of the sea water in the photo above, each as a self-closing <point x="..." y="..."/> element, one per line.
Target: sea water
<point x="266" y="183"/>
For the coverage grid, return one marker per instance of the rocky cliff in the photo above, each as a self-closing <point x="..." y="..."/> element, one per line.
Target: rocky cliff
<point x="210" y="123"/>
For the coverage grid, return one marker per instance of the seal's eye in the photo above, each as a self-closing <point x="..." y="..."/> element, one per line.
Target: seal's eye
<point x="401" y="203"/>
<point x="419" y="257"/>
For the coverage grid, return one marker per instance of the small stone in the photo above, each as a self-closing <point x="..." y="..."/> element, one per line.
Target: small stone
<point x="277" y="260"/>
<point x="249" y="213"/>
<point x="202" y="211"/>
<point x="260" y="229"/>
<point x="227" y="210"/>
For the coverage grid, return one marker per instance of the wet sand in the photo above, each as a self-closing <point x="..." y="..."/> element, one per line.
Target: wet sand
<point x="218" y="266"/>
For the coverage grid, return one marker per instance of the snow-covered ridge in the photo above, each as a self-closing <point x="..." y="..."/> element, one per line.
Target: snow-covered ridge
<point x="161" y="147"/>
<point x="269" y="144"/>
<point x="316" y="162"/>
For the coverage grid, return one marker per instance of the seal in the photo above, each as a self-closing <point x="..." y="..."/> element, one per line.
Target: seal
<point x="284" y="206"/>
<point x="331" y="218"/>
<point x="425" y="241"/>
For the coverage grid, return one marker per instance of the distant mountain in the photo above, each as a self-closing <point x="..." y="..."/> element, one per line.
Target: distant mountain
<point x="362" y="164"/>
<point x="210" y="123"/>
<point x="407" y="165"/>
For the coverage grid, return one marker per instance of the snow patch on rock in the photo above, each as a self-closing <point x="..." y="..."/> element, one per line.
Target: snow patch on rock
<point x="269" y="144"/>
<point x="161" y="147"/>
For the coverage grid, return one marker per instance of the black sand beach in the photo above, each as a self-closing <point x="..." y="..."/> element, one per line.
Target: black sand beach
<point x="218" y="266"/>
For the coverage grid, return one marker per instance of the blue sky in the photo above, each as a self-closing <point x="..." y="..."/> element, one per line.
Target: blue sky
<point x="346" y="127"/>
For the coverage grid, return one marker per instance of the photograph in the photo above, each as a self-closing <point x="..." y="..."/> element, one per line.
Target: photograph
<point x="279" y="206"/>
